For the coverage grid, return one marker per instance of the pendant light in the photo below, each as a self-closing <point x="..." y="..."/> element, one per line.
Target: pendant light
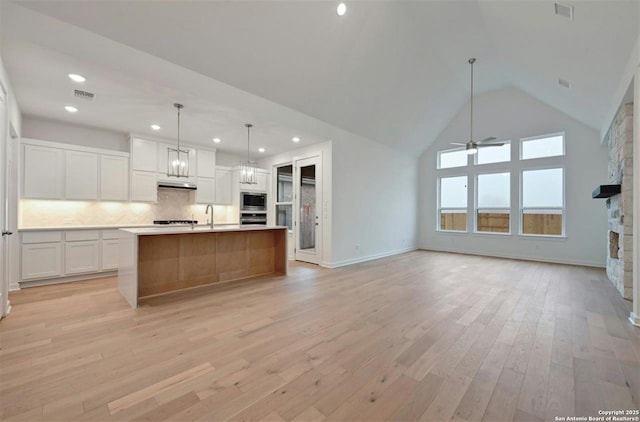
<point x="248" y="175"/>
<point x="178" y="159"/>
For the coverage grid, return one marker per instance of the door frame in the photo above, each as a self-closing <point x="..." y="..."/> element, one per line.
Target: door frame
<point x="4" y="202"/>
<point x="316" y="257"/>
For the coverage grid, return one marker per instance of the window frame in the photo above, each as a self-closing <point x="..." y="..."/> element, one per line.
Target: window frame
<point x="545" y="136"/>
<point x="445" y="151"/>
<point x="510" y="160"/>
<point x="476" y="208"/>
<point x="563" y="209"/>
<point x="439" y="208"/>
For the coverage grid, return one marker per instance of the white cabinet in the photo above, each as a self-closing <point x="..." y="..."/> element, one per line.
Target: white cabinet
<point x="206" y="163"/>
<point x="110" y="254"/>
<point x="43" y="172"/>
<point x="224" y="189"/>
<point x="206" y="192"/>
<point x="144" y="186"/>
<point x="82" y="257"/>
<point x="114" y="178"/>
<point x="144" y="155"/>
<point x="41" y="260"/>
<point x="81" y="175"/>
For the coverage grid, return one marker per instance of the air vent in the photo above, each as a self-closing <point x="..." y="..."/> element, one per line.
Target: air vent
<point x="564" y="10"/>
<point x="565" y="83"/>
<point x="85" y="95"/>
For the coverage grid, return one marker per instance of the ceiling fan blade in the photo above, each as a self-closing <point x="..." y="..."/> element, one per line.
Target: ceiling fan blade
<point x="457" y="143"/>
<point x="489" y="145"/>
<point x="485" y="140"/>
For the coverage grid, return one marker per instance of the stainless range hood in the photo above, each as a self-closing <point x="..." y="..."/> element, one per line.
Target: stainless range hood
<point x="176" y="185"/>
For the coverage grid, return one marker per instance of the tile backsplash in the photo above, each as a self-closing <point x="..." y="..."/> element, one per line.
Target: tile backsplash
<point x="173" y="204"/>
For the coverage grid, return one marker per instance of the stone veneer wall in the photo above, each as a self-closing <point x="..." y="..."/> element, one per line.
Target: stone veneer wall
<point x="620" y="207"/>
<point x="173" y="204"/>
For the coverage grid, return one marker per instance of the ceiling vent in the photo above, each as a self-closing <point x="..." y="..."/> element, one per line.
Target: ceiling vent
<point x="564" y="10"/>
<point x="565" y="83"/>
<point x="85" y="95"/>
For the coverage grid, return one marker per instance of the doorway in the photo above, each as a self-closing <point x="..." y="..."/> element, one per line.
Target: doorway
<point x="4" y="243"/>
<point x="308" y="210"/>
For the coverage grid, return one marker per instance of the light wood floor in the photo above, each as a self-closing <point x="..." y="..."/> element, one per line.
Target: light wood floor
<point x="419" y="336"/>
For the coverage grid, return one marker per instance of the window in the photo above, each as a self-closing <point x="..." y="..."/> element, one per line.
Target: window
<point x="543" y="202"/>
<point x="284" y="196"/>
<point x="494" y="202"/>
<point x="548" y="146"/>
<point x="453" y="203"/>
<point x="497" y="154"/>
<point x="452" y="158"/>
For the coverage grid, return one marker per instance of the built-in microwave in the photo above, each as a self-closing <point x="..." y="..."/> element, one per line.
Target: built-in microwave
<point x="251" y="201"/>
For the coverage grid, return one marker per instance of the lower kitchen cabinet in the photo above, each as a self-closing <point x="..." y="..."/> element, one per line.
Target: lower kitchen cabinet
<point x="82" y="257"/>
<point x="110" y="254"/>
<point x="41" y="260"/>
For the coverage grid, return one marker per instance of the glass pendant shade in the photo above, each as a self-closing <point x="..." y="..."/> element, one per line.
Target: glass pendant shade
<point x="177" y="158"/>
<point x="248" y="174"/>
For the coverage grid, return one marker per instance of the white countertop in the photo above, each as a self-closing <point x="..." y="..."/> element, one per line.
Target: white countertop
<point x="171" y="229"/>
<point x="108" y="227"/>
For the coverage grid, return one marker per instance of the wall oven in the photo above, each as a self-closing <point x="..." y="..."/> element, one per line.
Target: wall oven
<point x="253" y="218"/>
<point x="250" y="201"/>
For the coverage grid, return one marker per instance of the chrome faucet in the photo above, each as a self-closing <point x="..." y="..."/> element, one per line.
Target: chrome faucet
<point x="209" y="206"/>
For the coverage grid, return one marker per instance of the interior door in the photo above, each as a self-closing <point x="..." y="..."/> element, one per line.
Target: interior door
<point x="4" y="223"/>
<point x="308" y="209"/>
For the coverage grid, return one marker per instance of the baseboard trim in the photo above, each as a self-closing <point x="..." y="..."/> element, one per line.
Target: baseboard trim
<point x="366" y="258"/>
<point x="634" y="319"/>
<point x="519" y="257"/>
<point x="46" y="282"/>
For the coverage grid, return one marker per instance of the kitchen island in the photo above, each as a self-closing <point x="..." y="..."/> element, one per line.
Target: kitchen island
<point x="160" y="260"/>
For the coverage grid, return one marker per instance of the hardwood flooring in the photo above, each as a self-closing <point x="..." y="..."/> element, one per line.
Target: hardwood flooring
<point x="422" y="336"/>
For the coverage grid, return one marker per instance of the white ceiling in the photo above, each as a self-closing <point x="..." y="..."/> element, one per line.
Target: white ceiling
<point x="391" y="71"/>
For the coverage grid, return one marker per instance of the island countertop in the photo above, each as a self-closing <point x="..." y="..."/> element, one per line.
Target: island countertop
<point x="144" y="231"/>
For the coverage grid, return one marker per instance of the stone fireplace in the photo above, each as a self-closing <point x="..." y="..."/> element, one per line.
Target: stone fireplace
<point x="620" y="206"/>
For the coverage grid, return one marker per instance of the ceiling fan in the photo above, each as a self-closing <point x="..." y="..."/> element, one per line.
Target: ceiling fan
<point x="472" y="146"/>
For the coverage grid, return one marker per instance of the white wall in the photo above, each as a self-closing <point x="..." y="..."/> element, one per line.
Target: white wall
<point x="511" y="114"/>
<point x="54" y="131"/>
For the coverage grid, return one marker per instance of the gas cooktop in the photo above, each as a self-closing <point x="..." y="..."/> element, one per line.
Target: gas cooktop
<point x="175" y="221"/>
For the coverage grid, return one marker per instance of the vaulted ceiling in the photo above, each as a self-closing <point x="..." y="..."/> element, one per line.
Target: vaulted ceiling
<point x="392" y="71"/>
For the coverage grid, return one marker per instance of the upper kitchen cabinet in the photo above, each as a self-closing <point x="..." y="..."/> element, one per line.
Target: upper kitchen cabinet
<point x="144" y="186"/>
<point x="206" y="163"/>
<point x="224" y="186"/>
<point x="163" y="161"/>
<point x="81" y="175"/>
<point x="144" y="155"/>
<point x="43" y="172"/>
<point x="262" y="185"/>
<point x="114" y="178"/>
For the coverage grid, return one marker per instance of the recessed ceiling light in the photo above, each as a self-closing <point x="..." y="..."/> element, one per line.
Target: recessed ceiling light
<point x="216" y="140"/>
<point x="76" y="78"/>
<point x="261" y="149"/>
<point x="296" y="139"/>
<point x="71" y="109"/>
<point x="155" y="127"/>
<point x="342" y="9"/>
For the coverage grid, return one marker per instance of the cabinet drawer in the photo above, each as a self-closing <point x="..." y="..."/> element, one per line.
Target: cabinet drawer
<point x="41" y="237"/>
<point x="110" y="234"/>
<point x="42" y="260"/>
<point x="81" y="235"/>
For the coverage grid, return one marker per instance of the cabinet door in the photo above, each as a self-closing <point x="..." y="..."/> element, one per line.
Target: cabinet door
<point x="43" y="172"/>
<point x="262" y="182"/>
<point x="81" y="175"/>
<point x="144" y="155"/>
<point x="114" y="178"/>
<point x="224" y="187"/>
<point x="81" y="257"/>
<point x="206" y="193"/>
<point x="206" y="163"/>
<point x="41" y="260"/>
<point x="110" y="254"/>
<point x="144" y="186"/>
